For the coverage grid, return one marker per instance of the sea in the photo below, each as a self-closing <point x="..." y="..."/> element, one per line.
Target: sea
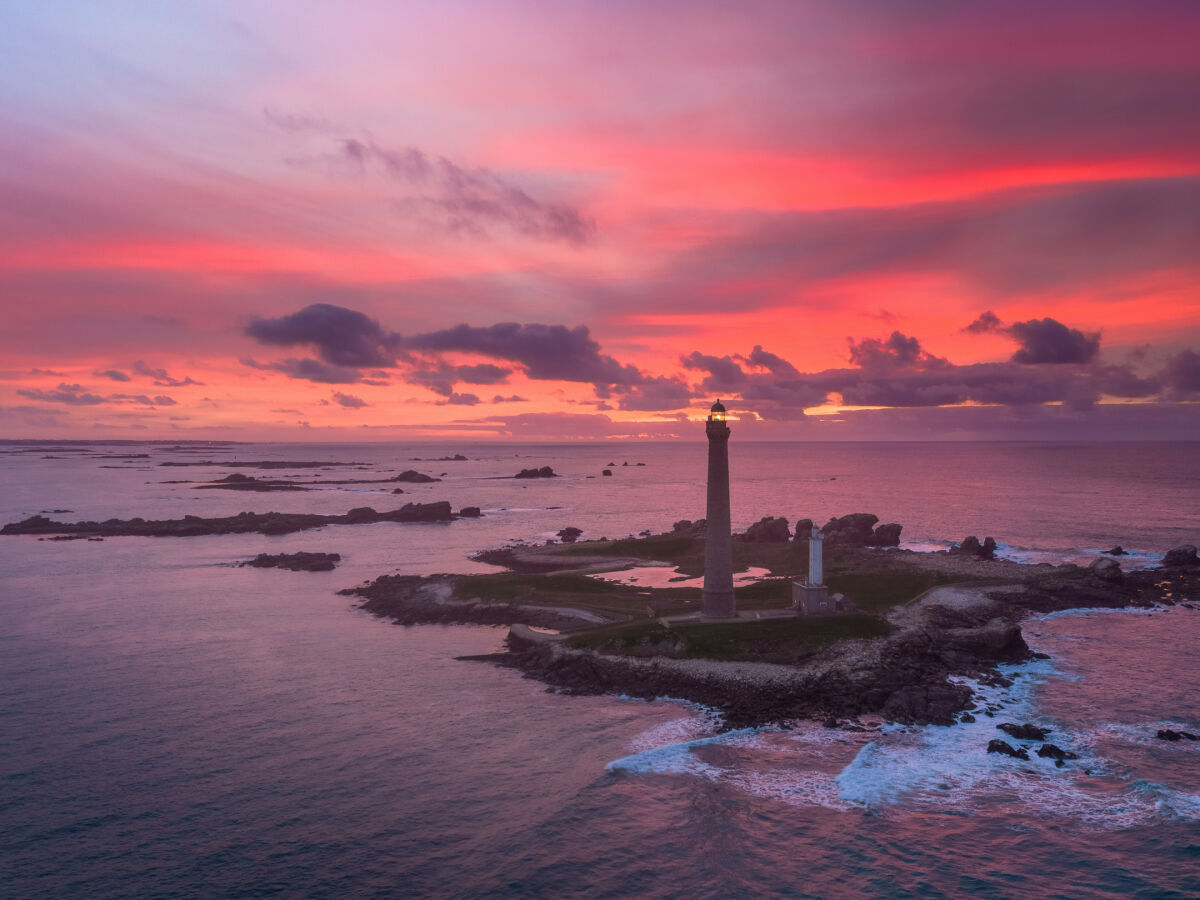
<point x="173" y="724"/>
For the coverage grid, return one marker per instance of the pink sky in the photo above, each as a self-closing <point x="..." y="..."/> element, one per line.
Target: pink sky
<point x="478" y="220"/>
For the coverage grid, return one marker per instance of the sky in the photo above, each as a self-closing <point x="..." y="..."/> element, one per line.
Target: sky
<point x="574" y="220"/>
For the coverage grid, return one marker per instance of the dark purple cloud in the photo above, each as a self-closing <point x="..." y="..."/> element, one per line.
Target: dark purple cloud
<point x="342" y="337"/>
<point x="1049" y="341"/>
<point x="723" y="371"/>
<point x="898" y="351"/>
<point x="113" y="374"/>
<point x="456" y="399"/>
<point x="512" y="398"/>
<point x="308" y="370"/>
<point x="655" y="394"/>
<point x="77" y="395"/>
<point x="987" y="323"/>
<point x="1181" y="375"/>
<point x="160" y="376"/>
<point x="470" y="201"/>
<point x="776" y="365"/>
<point x="442" y="377"/>
<point x="349" y="401"/>
<point x="548" y="352"/>
<point x="70" y="394"/>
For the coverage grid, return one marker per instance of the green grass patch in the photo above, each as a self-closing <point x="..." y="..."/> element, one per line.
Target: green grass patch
<point x="880" y="591"/>
<point x="766" y="640"/>
<point x="506" y="586"/>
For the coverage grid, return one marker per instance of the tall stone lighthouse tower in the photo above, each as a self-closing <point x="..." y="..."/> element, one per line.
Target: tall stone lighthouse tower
<point x="717" y="600"/>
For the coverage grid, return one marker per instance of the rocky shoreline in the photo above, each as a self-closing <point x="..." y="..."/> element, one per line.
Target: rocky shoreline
<point x="242" y="523"/>
<point x="905" y="676"/>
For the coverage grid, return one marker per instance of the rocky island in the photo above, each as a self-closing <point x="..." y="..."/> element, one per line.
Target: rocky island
<point x="919" y="621"/>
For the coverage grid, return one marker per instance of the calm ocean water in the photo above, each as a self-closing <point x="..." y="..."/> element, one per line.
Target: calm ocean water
<point x="173" y="725"/>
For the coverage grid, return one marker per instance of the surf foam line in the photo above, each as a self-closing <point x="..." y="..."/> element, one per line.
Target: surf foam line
<point x="678" y="759"/>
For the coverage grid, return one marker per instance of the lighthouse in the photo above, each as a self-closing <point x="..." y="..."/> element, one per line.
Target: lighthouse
<point x="717" y="600"/>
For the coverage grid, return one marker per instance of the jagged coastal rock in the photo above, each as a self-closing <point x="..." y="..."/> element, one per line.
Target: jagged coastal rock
<point x="854" y="530"/>
<point x="767" y="530"/>
<point x="887" y="535"/>
<point x="1182" y="556"/>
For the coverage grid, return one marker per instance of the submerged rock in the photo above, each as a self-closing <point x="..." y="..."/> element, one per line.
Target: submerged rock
<point x="1026" y="732"/>
<point x="297" y="562"/>
<point x="1053" y="751"/>
<point x="414" y="477"/>
<point x="1169" y="734"/>
<point x="543" y="472"/>
<point x="998" y="746"/>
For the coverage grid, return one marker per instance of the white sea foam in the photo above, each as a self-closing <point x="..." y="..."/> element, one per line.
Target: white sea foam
<point x="678" y="759"/>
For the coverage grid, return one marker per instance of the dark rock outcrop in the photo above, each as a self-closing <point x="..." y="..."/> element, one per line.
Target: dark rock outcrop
<point x="1053" y="751"/>
<point x="1106" y="569"/>
<point x="688" y="527"/>
<point x="242" y="523"/>
<point x="413" y="477"/>
<point x="1181" y="556"/>
<point x="570" y="534"/>
<point x="767" y="530"/>
<point x="998" y="746"/>
<point x="970" y="546"/>
<point x="261" y="464"/>
<point x="606" y="472"/>
<point x="1170" y="734"/>
<point x="239" y="482"/>
<point x="297" y="562"/>
<point x="804" y="529"/>
<point x="1116" y="551"/>
<point x="469" y="512"/>
<point x="854" y="530"/>
<point x="543" y="472"/>
<point x="1026" y="732"/>
<point x="887" y="535"/>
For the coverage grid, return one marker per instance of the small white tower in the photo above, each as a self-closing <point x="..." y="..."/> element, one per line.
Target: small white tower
<point x="810" y="597"/>
<point x="816" y="544"/>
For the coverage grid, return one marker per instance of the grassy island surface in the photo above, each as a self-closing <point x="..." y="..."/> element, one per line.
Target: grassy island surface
<point x="916" y="620"/>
